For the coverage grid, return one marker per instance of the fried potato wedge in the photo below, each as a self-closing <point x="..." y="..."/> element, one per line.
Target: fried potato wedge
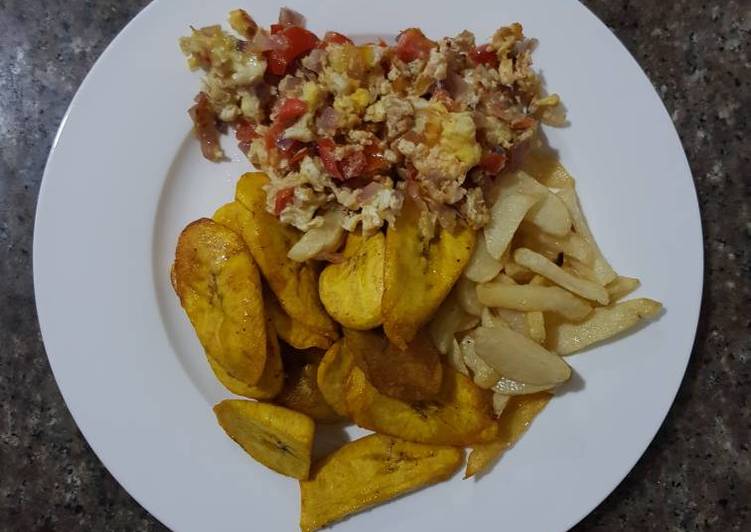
<point x="466" y="295"/>
<point x="448" y="320"/>
<point x="514" y="421"/>
<point x="277" y="437"/>
<point x="536" y="326"/>
<point x="295" y="284"/>
<point x="370" y="471"/>
<point x="550" y="213"/>
<point x="292" y="331"/>
<point x="272" y="378"/>
<point x="572" y="244"/>
<point x="543" y="266"/>
<point x="545" y="166"/>
<point x="411" y="374"/>
<point x="620" y="287"/>
<point x="512" y="199"/>
<point x="461" y="414"/>
<point x="333" y="373"/>
<point x="352" y="291"/>
<point x="482" y="267"/>
<point x="603" y="323"/>
<point x="220" y="289"/>
<point x="517" y="357"/>
<point x="600" y="265"/>
<point x="301" y="393"/>
<point x="418" y="274"/>
<point x="530" y="298"/>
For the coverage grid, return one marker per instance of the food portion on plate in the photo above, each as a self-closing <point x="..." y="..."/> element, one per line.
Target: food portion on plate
<point x="409" y="257"/>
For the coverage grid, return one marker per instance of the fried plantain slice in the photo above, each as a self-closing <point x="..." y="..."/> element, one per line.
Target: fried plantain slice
<point x="292" y="331"/>
<point x="295" y="284"/>
<point x="272" y="378"/>
<point x="277" y="437"/>
<point x="220" y="289"/>
<point x="513" y="423"/>
<point x="411" y="374"/>
<point x="333" y="372"/>
<point x="352" y="290"/>
<point x="301" y="393"/>
<point x="419" y="274"/>
<point x="370" y="471"/>
<point x="461" y="414"/>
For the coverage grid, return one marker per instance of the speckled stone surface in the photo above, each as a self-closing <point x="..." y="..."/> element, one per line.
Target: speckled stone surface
<point x="696" y="475"/>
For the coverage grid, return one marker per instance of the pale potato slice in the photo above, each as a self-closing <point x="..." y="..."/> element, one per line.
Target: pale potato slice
<point x="482" y="267"/>
<point x="419" y="273"/>
<point x="517" y="273"/>
<point x="326" y="238"/>
<point x="370" y="471"/>
<point x="491" y="319"/>
<point x="352" y="291"/>
<point x="545" y="166"/>
<point x="482" y="374"/>
<point x="572" y="245"/>
<point x="620" y="287"/>
<point x="448" y="320"/>
<point x="542" y="266"/>
<point x="279" y="438"/>
<point x="529" y="298"/>
<point x="508" y="386"/>
<point x="272" y="378"/>
<point x="500" y="401"/>
<point x="293" y="332"/>
<point x="603" y="323"/>
<point x="550" y="213"/>
<point x="602" y="269"/>
<point x="517" y="321"/>
<point x="220" y="289"/>
<point x="579" y="269"/>
<point x="466" y="296"/>
<point x="455" y="358"/>
<point x="513" y="198"/>
<point x="517" y="357"/>
<point x="518" y="414"/>
<point x="536" y="326"/>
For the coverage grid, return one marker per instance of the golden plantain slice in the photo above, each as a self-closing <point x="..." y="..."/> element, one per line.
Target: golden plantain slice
<point x="301" y="391"/>
<point x="461" y="414"/>
<point x="412" y="374"/>
<point x="277" y="437"/>
<point x="295" y="284"/>
<point x="419" y="274"/>
<point x="333" y="372"/>
<point x="272" y="378"/>
<point x="294" y="332"/>
<point x="513" y="423"/>
<point x="352" y="290"/>
<point x="220" y="289"/>
<point x="367" y="472"/>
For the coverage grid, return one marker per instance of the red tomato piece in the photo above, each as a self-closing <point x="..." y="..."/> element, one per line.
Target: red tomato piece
<point x="326" y="148"/>
<point x="283" y="198"/>
<point x="493" y="162"/>
<point x="333" y="37"/>
<point x="288" y="111"/>
<point x="354" y="165"/>
<point x="484" y="55"/>
<point x="293" y="41"/>
<point x="413" y="44"/>
<point x="245" y="131"/>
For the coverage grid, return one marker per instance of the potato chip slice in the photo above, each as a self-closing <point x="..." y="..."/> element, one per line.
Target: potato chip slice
<point x="367" y="472"/>
<point x="514" y="421"/>
<point x="295" y="284"/>
<point x="603" y="323"/>
<point x="351" y="291"/>
<point x="461" y="414"/>
<point x="419" y="273"/>
<point x="220" y="290"/>
<point x="270" y="383"/>
<point x="277" y="437"/>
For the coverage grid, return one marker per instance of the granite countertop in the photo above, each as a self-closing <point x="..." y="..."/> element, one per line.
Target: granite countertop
<point x="696" y="475"/>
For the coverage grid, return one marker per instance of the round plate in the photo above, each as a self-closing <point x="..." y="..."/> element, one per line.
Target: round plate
<point x="125" y="175"/>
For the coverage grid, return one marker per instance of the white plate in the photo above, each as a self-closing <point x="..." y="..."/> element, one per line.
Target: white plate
<point x="125" y="176"/>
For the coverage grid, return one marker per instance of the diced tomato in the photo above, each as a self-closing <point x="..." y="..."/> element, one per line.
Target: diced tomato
<point x="484" y="55"/>
<point x="354" y="165"/>
<point x="245" y="131"/>
<point x="376" y="162"/>
<point x="326" y="148"/>
<point x="288" y="111"/>
<point x="276" y="28"/>
<point x="283" y="198"/>
<point x="293" y="41"/>
<point x="413" y="44"/>
<point x="493" y="162"/>
<point x="299" y="155"/>
<point x="524" y="122"/>
<point x="333" y="37"/>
